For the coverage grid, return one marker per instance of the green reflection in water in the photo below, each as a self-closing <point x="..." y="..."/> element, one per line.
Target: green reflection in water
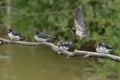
<point x="38" y="63"/>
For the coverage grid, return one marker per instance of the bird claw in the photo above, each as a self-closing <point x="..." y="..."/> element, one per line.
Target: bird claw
<point x="59" y="53"/>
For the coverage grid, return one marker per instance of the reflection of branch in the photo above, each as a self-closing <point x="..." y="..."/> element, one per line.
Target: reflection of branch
<point x="57" y="49"/>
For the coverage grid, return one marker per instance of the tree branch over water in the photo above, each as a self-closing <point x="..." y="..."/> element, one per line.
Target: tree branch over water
<point x="57" y="49"/>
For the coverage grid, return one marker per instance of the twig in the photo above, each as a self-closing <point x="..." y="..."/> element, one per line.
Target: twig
<point x="57" y="49"/>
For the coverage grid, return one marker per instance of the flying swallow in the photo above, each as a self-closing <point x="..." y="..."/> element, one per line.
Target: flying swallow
<point x="80" y="27"/>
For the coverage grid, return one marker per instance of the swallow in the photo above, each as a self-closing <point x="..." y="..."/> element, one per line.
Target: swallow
<point x="103" y="48"/>
<point x="39" y="36"/>
<point x="16" y="36"/>
<point x="64" y="45"/>
<point x="80" y="27"/>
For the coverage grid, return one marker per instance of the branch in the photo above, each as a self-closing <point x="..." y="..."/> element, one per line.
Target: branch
<point x="57" y="49"/>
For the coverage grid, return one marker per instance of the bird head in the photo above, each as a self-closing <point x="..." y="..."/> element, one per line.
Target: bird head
<point x="37" y="32"/>
<point x="10" y="30"/>
<point x="101" y="44"/>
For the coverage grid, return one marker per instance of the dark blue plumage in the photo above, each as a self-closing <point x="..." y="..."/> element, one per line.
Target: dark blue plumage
<point x="14" y="32"/>
<point x="39" y="36"/>
<point x="80" y="27"/>
<point x="14" y="35"/>
<point x="104" y="45"/>
<point x="103" y="48"/>
<point x="64" y="45"/>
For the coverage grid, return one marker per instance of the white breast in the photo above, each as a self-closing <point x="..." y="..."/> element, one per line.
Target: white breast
<point x="12" y="37"/>
<point x="79" y="33"/>
<point x="102" y="50"/>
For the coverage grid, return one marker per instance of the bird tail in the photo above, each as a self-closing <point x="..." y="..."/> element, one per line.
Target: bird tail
<point x="110" y="48"/>
<point x="71" y="44"/>
<point x="88" y="35"/>
<point x="51" y="36"/>
<point x="22" y="37"/>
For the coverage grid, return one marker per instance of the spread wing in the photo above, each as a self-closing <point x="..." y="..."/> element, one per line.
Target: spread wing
<point x="78" y="20"/>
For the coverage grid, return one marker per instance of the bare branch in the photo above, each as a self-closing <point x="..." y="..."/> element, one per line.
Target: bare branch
<point x="57" y="49"/>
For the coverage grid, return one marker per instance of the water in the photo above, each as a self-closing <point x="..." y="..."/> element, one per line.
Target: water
<point x="38" y="63"/>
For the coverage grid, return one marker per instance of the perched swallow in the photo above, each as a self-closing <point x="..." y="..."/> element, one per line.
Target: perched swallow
<point x="103" y="48"/>
<point x="80" y="27"/>
<point x="64" y="45"/>
<point x="39" y="36"/>
<point x="13" y="35"/>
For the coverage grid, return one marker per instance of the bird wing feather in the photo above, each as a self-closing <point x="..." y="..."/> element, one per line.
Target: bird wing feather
<point x="16" y="33"/>
<point x="78" y="20"/>
<point x="42" y="35"/>
<point x="108" y="47"/>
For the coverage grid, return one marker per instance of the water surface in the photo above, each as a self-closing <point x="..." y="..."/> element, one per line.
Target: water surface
<point x="38" y="63"/>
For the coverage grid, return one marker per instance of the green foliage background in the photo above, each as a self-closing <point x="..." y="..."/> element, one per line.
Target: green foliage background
<point x="56" y="17"/>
